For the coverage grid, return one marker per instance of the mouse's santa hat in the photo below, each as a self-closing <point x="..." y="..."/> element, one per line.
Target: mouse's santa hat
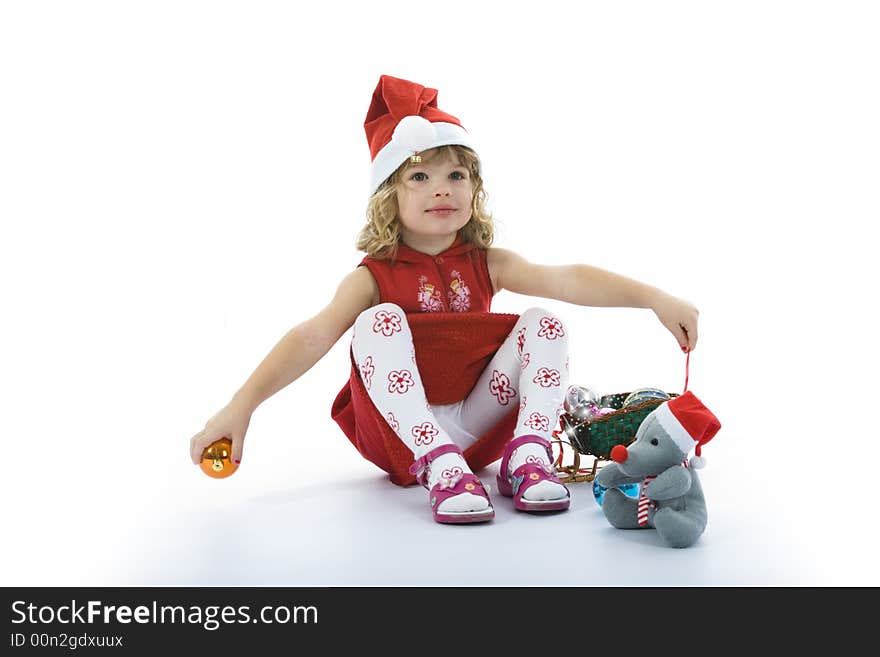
<point x="689" y="423"/>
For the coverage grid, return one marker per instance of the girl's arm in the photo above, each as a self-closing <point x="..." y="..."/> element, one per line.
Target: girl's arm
<point x="586" y="285"/>
<point x="305" y="344"/>
<point x="302" y="347"/>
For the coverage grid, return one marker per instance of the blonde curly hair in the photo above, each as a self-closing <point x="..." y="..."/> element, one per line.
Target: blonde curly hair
<point x="381" y="235"/>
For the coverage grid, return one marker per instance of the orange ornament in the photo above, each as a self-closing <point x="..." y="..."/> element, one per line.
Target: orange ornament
<point x="217" y="459"/>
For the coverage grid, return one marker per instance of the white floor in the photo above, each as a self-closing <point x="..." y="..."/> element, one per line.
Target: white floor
<point x="296" y="520"/>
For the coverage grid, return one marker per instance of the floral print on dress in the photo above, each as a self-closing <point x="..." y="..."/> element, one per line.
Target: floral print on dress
<point x="538" y="422"/>
<point x="500" y="387"/>
<point x="424" y="433"/>
<point x="400" y="381"/>
<point x="551" y="328"/>
<point x="387" y="323"/>
<point x="547" y="378"/>
<point x="367" y="370"/>
<point x="459" y="294"/>
<point x="526" y="358"/>
<point x="430" y="299"/>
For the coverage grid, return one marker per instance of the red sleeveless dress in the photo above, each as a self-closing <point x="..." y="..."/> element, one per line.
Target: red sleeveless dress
<point x="447" y="301"/>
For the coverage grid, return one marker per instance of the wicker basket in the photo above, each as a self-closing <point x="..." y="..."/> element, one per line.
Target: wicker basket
<point x="598" y="436"/>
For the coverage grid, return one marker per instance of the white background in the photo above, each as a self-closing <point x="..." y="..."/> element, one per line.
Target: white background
<point x="182" y="182"/>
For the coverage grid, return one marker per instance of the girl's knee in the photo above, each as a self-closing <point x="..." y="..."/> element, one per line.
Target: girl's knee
<point x="535" y="313"/>
<point x="369" y="316"/>
<point x="384" y="318"/>
<point x="538" y="315"/>
<point x="547" y="324"/>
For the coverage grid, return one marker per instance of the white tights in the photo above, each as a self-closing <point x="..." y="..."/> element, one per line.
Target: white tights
<point x="530" y="369"/>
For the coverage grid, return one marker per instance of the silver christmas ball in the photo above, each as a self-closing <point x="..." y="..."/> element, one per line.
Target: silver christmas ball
<point x="581" y="403"/>
<point x="643" y="395"/>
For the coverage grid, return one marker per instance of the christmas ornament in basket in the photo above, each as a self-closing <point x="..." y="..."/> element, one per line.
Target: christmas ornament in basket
<point x="593" y="425"/>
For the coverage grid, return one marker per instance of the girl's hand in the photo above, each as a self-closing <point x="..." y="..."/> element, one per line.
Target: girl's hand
<point x="230" y="422"/>
<point x="679" y="317"/>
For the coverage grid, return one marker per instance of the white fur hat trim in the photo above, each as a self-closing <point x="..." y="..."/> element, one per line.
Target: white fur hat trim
<point x="673" y="427"/>
<point x="412" y="136"/>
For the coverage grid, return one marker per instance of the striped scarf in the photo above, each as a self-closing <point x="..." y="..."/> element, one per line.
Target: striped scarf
<point x="644" y="502"/>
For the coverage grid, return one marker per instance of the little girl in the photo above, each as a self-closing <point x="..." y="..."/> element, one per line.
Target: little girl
<point x="439" y="385"/>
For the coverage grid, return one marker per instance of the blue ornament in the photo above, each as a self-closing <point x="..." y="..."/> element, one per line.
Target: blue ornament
<point x="630" y="490"/>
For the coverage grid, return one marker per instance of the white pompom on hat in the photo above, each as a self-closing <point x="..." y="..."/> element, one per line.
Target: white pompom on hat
<point x="689" y="423"/>
<point x="403" y="120"/>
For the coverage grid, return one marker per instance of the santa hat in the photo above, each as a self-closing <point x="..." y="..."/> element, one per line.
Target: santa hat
<point x="689" y="423"/>
<point x="404" y="120"/>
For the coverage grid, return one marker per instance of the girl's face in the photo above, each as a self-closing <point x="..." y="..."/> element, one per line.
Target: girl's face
<point x="434" y="200"/>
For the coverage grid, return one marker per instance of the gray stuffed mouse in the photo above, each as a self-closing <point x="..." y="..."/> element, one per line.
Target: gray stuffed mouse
<point x="671" y="498"/>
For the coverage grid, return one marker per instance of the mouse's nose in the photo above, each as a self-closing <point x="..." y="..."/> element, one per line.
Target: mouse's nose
<point x="619" y="454"/>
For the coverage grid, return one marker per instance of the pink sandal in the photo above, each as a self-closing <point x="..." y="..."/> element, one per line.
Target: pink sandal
<point x="527" y="475"/>
<point x="456" y="483"/>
